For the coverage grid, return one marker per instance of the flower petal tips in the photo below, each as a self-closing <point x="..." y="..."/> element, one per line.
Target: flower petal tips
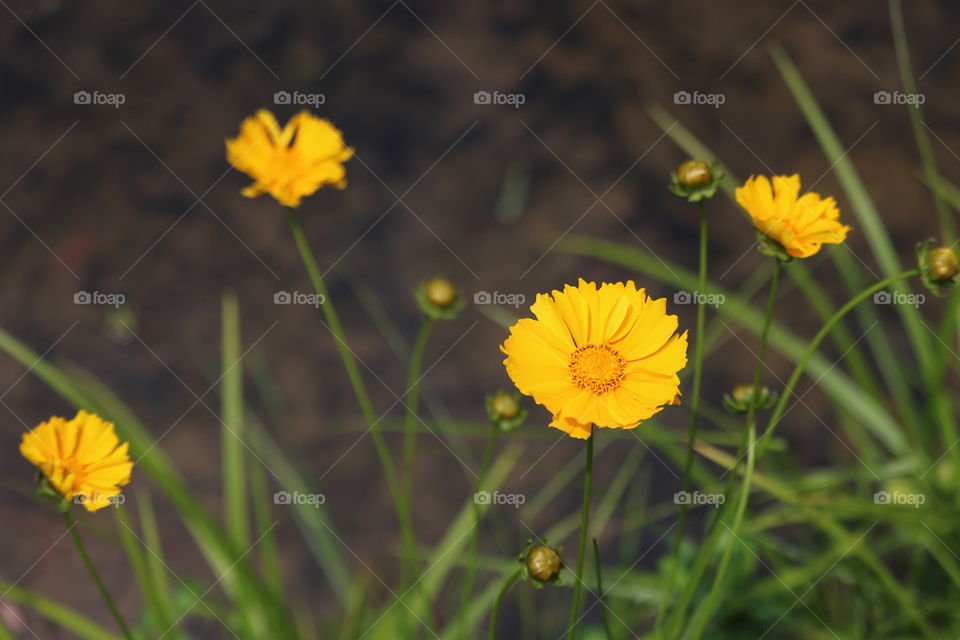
<point x="81" y="459"/>
<point x="800" y="224"/>
<point x="606" y="356"/>
<point x="289" y="163"/>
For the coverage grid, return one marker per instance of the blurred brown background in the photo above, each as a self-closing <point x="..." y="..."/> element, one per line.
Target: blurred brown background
<point x="139" y="200"/>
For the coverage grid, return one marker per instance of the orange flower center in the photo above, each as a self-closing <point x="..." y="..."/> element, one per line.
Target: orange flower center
<point x="598" y="368"/>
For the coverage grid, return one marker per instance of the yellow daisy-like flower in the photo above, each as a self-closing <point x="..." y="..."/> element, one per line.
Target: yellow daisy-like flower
<point x="799" y="224"/>
<point x="292" y="162"/>
<point x="607" y="357"/>
<point x="80" y="457"/>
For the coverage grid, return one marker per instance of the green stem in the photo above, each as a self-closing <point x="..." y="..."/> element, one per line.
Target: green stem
<point x="804" y="360"/>
<point x="746" y="446"/>
<point x="412" y="402"/>
<point x="581" y="553"/>
<point x="699" y="341"/>
<point x="356" y="381"/>
<point x="92" y="569"/>
<point x="703" y="616"/>
<point x="600" y="594"/>
<point x="495" y="611"/>
<point x="475" y="533"/>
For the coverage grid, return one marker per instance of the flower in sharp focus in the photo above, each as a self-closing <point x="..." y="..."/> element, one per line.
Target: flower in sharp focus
<point x="80" y="458"/>
<point x="606" y="356"/>
<point x="798" y="224"/>
<point x="292" y="162"/>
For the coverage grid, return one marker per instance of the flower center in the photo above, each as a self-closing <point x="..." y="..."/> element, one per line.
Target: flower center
<point x="598" y="368"/>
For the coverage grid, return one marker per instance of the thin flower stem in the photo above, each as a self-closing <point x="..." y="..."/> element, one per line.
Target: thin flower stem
<point x="495" y="611"/>
<point x="746" y="446"/>
<point x="600" y="593"/>
<point x="804" y="360"/>
<point x="356" y="381"/>
<point x="475" y="534"/>
<point x="581" y="553"/>
<point x="412" y="402"/>
<point x="699" y="340"/>
<point x="92" y="569"/>
<point x="706" y="611"/>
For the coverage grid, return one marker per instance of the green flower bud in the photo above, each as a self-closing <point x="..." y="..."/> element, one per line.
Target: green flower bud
<point x="505" y="410"/>
<point x="695" y="180"/>
<point x="542" y="564"/>
<point x="439" y="298"/>
<point x="742" y="398"/>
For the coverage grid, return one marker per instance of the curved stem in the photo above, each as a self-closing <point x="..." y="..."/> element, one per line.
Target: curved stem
<point x="356" y="381"/>
<point x="804" y="360"/>
<point x="495" y="611"/>
<point x="92" y="569"/>
<point x="699" y="341"/>
<point x="412" y="403"/>
<point x="581" y="553"/>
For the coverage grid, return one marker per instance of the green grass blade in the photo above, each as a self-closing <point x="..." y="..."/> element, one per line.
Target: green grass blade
<point x="60" y="615"/>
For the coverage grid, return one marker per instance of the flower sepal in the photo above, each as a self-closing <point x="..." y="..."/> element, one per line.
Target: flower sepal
<point x="439" y="299"/>
<point x="541" y="564"/>
<point x="505" y="410"/>
<point x="695" y="180"/>
<point x="939" y="266"/>
<point x="771" y="248"/>
<point x="739" y="401"/>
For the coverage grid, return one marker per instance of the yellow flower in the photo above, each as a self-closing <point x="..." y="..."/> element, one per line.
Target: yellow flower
<point x="607" y="357"/>
<point x="799" y="224"/>
<point x="80" y="457"/>
<point x="292" y="162"/>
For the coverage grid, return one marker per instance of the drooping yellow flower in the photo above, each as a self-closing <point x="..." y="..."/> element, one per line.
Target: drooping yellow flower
<point x="80" y="458"/>
<point x="799" y="224"/>
<point x="607" y="357"/>
<point x="292" y="162"/>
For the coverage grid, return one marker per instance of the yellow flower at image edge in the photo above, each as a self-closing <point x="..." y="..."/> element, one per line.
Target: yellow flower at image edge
<point x="80" y="457"/>
<point x="291" y="162"/>
<point x="800" y="224"/>
<point x="606" y="356"/>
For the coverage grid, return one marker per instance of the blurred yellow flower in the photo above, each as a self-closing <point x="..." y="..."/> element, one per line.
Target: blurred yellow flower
<point x="799" y="224"/>
<point x="607" y="357"/>
<point x="80" y="458"/>
<point x="292" y="162"/>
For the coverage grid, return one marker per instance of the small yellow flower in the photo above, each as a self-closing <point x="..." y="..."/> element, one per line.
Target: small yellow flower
<point x="80" y="457"/>
<point x="799" y="224"/>
<point x="607" y="357"/>
<point x="292" y="162"/>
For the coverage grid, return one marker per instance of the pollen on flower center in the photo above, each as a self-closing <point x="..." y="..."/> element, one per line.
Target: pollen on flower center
<point x="598" y="368"/>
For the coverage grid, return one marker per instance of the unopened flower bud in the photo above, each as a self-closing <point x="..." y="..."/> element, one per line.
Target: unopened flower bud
<point x="743" y="397"/>
<point x="505" y="410"/>
<point x="943" y="265"/>
<point x="695" y="180"/>
<point x="439" y="298"/>
<point x="543" y="563"/>
<point x="441" y="292"/>
<point x="694" y="174"/>
<point x="505" y="405"/>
